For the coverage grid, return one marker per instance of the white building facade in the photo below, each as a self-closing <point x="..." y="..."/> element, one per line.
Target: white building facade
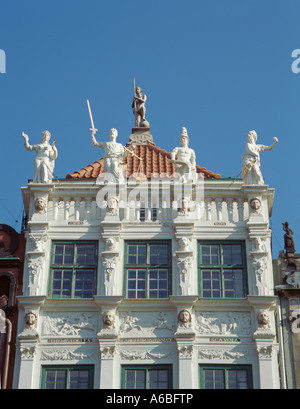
<point x="147" y="290"/>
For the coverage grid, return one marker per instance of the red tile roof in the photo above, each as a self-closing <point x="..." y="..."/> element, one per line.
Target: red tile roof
<point x="155" y="161"/>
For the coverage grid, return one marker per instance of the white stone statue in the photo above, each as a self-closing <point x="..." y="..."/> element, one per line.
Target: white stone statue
<point x="251" y="161"/>
<point x="45" y="157"/>
<point x="114" y="152"/>
<point x="184" y="159"/>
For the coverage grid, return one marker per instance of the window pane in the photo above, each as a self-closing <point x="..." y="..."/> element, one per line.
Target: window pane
<point x="214" y="379"/>
<point x="158" y="284"/>
<point x="158" y="379"/>
<point x="137" y="254"/>
<point x="136" y="283"/>
<point x="158" y="254"/>
<point x="210" y="254"/>
<point x="62" y="284"/>
<point x="135" y="379"/>
<point x="142" y="214"/>
<point x="237" y="379"/>
<point x="233" y="284"/>
<point x="232" y="254"/>
<point x="79" y="379"/>
<point x="84" y="283"/>
<point x="154" y="214"/>
<point x="56" y="379"/>
<point x="211" y="283"/>
<point x="64" y="254"/>
<point x="86" y="254"/>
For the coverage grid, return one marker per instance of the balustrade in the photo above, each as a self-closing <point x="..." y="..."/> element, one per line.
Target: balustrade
<point x="211" y="209"/>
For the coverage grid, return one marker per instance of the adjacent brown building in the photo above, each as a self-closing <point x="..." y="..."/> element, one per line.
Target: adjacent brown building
<point x="12" y="250"/>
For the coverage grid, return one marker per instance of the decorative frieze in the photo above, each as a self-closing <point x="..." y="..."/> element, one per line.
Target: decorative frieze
<point x="220" y="354"/>
<point x="64" y="355"/>
<point x="69" y="324"/>
<point x="141" y="355"/>
<point x="223" y="323"/>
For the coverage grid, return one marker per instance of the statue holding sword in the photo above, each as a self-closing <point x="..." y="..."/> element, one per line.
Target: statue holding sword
<point x="115" y="152"/>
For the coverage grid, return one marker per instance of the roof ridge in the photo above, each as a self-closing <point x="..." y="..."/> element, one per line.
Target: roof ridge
<point x="154" y="162"/>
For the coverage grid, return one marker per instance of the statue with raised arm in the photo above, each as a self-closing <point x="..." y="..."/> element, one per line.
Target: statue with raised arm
<point x="139" y="108"/>
<point x="251" y="172"/>
<point x="45" y="157"/>
<point x="184" y="158"/>
<point x="114" y="152"/>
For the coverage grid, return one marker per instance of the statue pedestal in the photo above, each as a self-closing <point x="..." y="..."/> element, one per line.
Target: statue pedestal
<point x="141" y="136"/>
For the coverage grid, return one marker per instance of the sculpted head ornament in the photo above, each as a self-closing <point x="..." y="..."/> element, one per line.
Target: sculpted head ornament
<point x="108" y="318"/>
<point x="184" y="317"/>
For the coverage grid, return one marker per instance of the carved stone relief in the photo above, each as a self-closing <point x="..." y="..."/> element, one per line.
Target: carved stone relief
<point x="109" y="265"/>
<point x="71" y="324"/>
<point x="222" y="354"/>
<point x="38" y="239"/>
<point x="35" y="265"/>
<point x="142" y="355"/>
<point x="233" y="323"/>
<point x="64" y="355"/>
<point x="145" y="324"/>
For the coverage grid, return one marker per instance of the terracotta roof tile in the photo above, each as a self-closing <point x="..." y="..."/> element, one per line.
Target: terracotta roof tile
<point x="154" y="161"/>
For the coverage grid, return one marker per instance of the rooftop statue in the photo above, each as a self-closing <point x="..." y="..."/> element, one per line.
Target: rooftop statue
<point x="139" y="108"/>
<point x="45" y="157"/>
<point x="114" y="154"/>
<point x="289" y="244"/>
<point x="251" y="172"/>
<point x="184" y="158"/>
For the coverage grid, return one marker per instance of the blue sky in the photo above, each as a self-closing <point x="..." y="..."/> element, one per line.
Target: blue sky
<point x="218" y="67"/>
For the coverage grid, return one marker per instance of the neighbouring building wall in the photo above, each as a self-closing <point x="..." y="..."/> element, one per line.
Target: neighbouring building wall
<point x="12" y="249"/>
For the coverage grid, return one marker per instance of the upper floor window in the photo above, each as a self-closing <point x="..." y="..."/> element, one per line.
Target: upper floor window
<point x="73" y="270"/>
<point x="148" y="269"/>
<point x="222" y="270"/>
<point x="67" y="377"/>
<point x="147" y="377"/>
<point x="225" y="377"/>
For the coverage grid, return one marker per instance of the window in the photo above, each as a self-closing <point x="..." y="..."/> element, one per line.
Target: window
<point x="151" y="377"/>
<point x="73" y="270"/>
<point x="65" y="377"/>
<point x="144" y="211"/>
<point x="222" y="270"/>
<point x="225" y="377"/>
<point x="148" y="269"/>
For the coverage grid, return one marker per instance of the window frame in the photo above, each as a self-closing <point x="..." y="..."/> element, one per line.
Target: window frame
<point x="222" y="267"/>
<point x="68" y="368"/>
<point x="148" y="267"/>
<point x="147" y="368"/>
<point x="74" y="267"/>
<point x="225" y="369"/>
